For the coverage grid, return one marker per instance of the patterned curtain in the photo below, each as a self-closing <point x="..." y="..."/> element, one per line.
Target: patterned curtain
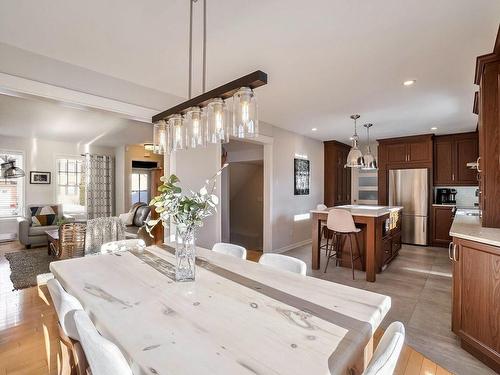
<point x="99" y="184"/>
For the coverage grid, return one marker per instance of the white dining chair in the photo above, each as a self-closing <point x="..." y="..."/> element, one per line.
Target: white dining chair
<point x="284" y="262"/>
<point x="386" y="355"/>
<point x="65" y="305"/>
<point x="122" y="245"/>
<point x="230" y="249"/>
<point x="103" y="357"/>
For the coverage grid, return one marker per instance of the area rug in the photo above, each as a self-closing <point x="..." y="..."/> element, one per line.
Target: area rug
<point x="26" y="265"/>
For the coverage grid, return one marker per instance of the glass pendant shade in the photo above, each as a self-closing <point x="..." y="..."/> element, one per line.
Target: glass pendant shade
<point x="355" y="157"/>
<point x="178" y="130"/>
<point x="195" y="128"/>
<point x="370" y="161"/>
<point x="219" y="127"/>
<point x="161" y="144"/>
<point x="245" y="118"/>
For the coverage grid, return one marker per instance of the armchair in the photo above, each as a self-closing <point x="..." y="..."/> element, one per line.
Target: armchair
<point x="30" y="235"/>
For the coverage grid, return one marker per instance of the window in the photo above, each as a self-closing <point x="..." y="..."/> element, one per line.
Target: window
<point x="70" y="185"/>
<point x="140" y="186"/>
<point x="11" y="190"/>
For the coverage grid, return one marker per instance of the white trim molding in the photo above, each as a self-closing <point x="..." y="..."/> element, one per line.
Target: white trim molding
<point x="292" y="246"/>
<point x="25" y="88"/>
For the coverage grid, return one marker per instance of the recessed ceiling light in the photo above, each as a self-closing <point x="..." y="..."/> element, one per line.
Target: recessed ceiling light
<point x="314" y="129"/>
<point x="409" y="82"/>
<point x="434" y="128"/>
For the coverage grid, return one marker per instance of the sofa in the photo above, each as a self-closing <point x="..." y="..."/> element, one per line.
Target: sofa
<point x="141" y="212"/>
<point x="34" y="235"/>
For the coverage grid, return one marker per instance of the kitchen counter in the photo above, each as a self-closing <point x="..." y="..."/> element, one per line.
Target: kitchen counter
<point x="469" y="227"/>
<point x="365" y="210"/>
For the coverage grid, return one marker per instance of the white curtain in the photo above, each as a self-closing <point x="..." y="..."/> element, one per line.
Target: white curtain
<point x="99" y="184"/>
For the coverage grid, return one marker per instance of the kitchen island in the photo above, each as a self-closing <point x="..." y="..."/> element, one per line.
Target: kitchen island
<point x="380" y="238"/>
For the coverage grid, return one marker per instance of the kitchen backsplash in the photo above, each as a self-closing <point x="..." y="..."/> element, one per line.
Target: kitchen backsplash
<point x="466" y="195"/>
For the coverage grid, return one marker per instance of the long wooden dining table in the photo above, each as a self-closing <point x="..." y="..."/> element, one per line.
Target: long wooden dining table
<point x="238" y="317"/>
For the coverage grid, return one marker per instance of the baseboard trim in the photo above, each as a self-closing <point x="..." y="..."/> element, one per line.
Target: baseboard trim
<point x="291" y="246"/>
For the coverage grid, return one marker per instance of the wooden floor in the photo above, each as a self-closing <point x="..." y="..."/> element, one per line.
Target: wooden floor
<point x="29" y="341"/>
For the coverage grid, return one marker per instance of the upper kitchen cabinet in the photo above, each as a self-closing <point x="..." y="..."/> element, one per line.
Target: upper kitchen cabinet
<point x="405" y="151"/>
<point x="402" y="153"/>
<point x="337" y="189"/>
<point x="488" y="78"/>
<point x="451" y="155"/>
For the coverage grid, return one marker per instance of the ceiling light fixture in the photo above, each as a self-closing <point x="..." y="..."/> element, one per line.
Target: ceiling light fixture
<point x="355" y="156"/>
<point x="369" y="159"/>
<point x="314" y="129"/>
<point x="8" y="168"/>
<point x="204" y="119"/>
<point x="409" y="82"/>
<point x="434" y="128"/>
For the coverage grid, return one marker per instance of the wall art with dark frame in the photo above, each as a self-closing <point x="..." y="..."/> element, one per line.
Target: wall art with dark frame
<point x="39" y="178"/>
<point x="302" y="173"/>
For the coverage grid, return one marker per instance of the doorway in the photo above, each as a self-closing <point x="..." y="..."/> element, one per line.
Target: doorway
<point x="242" y="195"/>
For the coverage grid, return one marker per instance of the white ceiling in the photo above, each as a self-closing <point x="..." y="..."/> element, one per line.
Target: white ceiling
<point x="21" y="117"/>
<point x="325" y="59"/>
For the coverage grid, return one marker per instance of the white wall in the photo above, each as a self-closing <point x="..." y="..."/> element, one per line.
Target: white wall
<point x="41" y="155"/>
<point x="287" y="231"/>
<point x="194" y="166"/>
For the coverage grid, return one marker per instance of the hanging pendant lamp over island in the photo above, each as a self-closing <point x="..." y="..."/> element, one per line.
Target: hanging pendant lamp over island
<point x="205" y="119"/>
<point x="369" y="159"/>
<point x="355" y="157"/>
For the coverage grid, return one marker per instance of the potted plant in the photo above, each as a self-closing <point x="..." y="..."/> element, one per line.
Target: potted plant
<point x="186" y="213"/>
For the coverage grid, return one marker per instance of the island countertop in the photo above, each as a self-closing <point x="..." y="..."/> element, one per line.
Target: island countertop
<point x="365" y="210"/>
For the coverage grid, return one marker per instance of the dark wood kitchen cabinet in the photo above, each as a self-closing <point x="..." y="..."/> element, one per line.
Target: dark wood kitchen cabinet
<point x="442" y="218"/>
<point x="451" y="155"/>
<point x="488" y="78"/>
<point x="476" y="296"/>
<point x="402" y="153"/>
<point x="337" y="183"/>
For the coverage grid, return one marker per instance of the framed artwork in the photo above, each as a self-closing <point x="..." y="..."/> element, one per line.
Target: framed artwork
<point x="39" y="177"/>
<point x="302" y="173"/>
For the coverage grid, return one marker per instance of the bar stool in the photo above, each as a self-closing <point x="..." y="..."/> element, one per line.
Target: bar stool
<point x="341" y="223"/>
<point x="324" y="232"/>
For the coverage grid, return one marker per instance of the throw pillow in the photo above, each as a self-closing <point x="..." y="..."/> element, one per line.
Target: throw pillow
<point x="44" y="215"/>
<point x="127" y="218"/>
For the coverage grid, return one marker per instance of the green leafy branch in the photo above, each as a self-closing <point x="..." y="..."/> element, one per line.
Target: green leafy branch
<point x="184" y="211"/>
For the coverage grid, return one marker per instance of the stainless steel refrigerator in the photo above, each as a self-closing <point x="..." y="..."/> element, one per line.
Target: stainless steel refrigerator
<point x="410" y="188"/>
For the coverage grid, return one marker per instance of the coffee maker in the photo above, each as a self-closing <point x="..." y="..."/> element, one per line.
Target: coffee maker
<point x="446" y="196"/>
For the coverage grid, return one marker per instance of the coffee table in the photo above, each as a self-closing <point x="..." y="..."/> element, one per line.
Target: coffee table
<point x="53" y="242"/>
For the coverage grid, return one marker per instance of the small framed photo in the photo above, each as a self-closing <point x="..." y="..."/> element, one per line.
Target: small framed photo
<point x="39" y="177"/>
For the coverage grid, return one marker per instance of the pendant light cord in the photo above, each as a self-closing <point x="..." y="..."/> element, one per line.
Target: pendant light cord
<point x="204" y="83"/>
<point x="190" y="75"/>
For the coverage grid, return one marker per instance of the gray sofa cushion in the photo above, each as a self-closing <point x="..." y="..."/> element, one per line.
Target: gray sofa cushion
<point x="38" y="231"/>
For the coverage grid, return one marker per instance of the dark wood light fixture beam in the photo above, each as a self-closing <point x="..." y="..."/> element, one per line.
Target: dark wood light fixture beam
<point x="252" y="80"/>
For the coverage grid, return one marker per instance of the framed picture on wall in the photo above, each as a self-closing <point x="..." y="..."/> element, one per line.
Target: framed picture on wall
<point x="39" y="177"/>
<point x="302" y="173"/>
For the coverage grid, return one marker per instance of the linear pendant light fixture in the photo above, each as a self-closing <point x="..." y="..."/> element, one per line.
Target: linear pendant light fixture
<point x="355" y="157"/>
<point x="205" y="118"/>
